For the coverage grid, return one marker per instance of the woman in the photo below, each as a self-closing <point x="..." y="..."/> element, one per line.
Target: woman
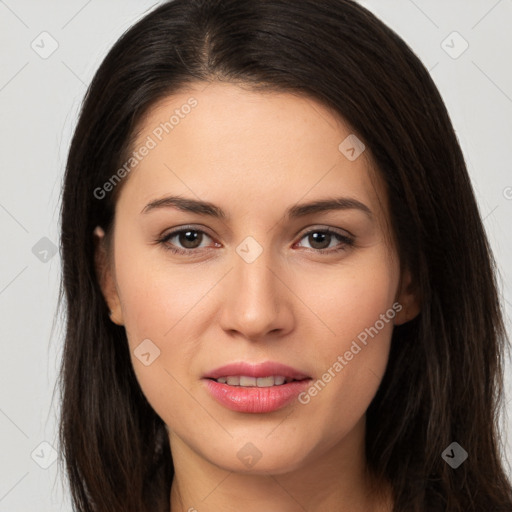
<point x="279" y="290"/>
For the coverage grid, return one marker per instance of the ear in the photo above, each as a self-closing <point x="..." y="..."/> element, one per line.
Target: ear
<point x="408" y="297"/>
<point x="104" y="273"/>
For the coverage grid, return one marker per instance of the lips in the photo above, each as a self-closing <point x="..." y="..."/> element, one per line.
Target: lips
<point x="260" y="382"/>
<point x="261" y="370"/>
<point x="255" y="388"/>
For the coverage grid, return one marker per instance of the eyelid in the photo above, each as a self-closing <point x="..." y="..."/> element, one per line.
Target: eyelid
<point x="185" y="227"/>
<point x="320" y="227"/>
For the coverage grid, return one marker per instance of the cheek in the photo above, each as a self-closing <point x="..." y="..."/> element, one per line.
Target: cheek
<point x="346" y="299"/>
<point x="356" y="314"/>
<point x="168" y="305"/>
<point x="159" y="307"/>
<point x="155" y="295"/>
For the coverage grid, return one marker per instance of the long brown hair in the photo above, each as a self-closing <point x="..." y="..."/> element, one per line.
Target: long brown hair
<point x="444" y="380"/>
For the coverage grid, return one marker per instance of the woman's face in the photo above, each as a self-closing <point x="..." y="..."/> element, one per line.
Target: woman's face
<point x="261" y="282"/>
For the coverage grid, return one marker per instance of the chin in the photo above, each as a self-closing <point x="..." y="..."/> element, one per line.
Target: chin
<point x="258" y="458"/>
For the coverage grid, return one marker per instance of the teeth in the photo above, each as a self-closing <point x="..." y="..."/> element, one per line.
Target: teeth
<point x="260" y="382"/>
<point x="247" y="381"/>
<point x="264" y="382"/>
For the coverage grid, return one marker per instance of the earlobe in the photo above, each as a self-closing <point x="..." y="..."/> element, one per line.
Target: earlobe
<point x="409" y="299"/>
<point x="105" y="277"/>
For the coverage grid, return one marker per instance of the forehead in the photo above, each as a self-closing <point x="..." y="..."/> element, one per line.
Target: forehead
<point x="221" y="142"/>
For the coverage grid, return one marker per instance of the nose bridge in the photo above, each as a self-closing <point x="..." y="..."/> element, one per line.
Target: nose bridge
<point x="254" y="282"/>
<point x="255" y="304"/>
<point x="255" y="278"/>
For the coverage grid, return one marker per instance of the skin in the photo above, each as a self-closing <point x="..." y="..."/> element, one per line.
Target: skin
<point x="254" y="155"/>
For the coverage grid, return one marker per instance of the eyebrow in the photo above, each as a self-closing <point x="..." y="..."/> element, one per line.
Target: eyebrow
<point x="296" y="211"/>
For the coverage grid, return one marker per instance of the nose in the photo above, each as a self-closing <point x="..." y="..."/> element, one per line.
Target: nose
<point x="256" y="301"/>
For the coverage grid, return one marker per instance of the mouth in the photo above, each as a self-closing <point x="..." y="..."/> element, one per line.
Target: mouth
<point x="259" y="382"/>
<point x="266" y="374"/>
<point x="255" y="388"/>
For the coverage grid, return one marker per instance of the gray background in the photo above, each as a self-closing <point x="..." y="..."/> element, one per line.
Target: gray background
<point x="39" y="101"/>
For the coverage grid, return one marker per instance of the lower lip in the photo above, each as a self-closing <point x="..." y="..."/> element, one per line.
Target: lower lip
<point x="254" y="399"/>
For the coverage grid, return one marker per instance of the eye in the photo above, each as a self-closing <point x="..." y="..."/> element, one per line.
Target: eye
<point x="188" y="241"/>
<point x="188" y="238"/>
<point x="320" y="240"/>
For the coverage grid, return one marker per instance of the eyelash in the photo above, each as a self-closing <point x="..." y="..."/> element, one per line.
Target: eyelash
<point x="346" y="241"/>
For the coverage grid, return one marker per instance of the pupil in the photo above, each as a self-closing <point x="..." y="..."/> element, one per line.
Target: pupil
<point x="189" y="238"/>
<point x="319" y="238"/>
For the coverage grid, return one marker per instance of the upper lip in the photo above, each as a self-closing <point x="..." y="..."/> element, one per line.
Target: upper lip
<point x="265" y="369"/>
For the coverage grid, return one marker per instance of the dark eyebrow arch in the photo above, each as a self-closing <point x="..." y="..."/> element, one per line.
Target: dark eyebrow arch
<point x="339" y="203"/>
<point x="186" y="205"/>
<point x="300" y="210"/>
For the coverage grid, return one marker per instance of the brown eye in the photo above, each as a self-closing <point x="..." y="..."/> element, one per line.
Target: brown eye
<point x="190" y="239"/>
<point x="321" y="240"/>
<point x="318" y="239"/>
<point x="184" y="241"/>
